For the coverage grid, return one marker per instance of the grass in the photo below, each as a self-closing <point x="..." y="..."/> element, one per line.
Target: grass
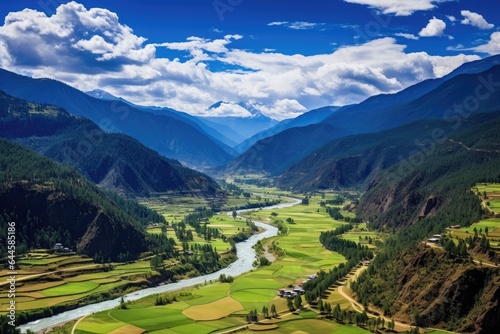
<point x="213" y="311"/>
<point x="218" y="307"/>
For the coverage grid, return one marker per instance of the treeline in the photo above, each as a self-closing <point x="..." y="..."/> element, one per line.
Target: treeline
<point x="353" y="253"/>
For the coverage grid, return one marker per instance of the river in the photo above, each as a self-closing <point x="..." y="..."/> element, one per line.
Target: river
<point x="246" y="256"/>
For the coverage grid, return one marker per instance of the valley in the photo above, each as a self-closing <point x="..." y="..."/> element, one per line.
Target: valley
<point x="200" y="187"/>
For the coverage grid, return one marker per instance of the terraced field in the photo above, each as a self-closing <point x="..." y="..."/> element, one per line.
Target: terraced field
<point x="222" y="306"/>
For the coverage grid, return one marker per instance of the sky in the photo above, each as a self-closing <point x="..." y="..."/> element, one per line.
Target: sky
<point x="283" y="57"/>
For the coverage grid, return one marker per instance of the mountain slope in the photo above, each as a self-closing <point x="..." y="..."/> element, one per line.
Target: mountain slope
<point x="419" y="197"/>
<point x="311" y="117"/>
<point x="431" y="179"/>
<point x="52" y="203"/>
<point x="354" y="160"/>
<point x="113" y="161"/>
<point x="169" y="136"/>
<point x="242" y="127"/>
<point x="274" y="154"/>
<point x="427" y="100"/>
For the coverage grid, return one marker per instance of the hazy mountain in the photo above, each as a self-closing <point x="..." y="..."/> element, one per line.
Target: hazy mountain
<point x="170" y="136"/>
<point x="274" y="154"/>
<point x="240" y="128"/>
<point x="311" y="117"/>
<point x="165" y="111"/>
<point x="430" y="99"/>
<point x="113" y="161"/>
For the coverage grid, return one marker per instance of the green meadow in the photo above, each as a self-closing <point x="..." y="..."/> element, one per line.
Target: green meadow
<point x="222" y="306"/>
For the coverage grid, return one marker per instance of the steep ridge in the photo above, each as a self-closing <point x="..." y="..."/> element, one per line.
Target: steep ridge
<point x="351" y="162"/>
<point x="51" y="203"/>
<point x="427" y="181"/>
<point x="274" y="154"/>
<point x="311" y="117"/>
<point x="113" y="161"/>
<point x="169" y="136"/>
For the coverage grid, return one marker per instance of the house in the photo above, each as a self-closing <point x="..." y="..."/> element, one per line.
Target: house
<point x="433" y="240"/>
<point x="313" y="276"/>
<point x="58" y="247"/>
<point x="437" y="236"/>
<point x="299" y="290"/>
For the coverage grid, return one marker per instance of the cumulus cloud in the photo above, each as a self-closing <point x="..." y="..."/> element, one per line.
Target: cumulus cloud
<point x="407" y="36"/>
<point x="434" y="28"/>
<point x="492" y="47"/>
<point x="228" y="109"/>
<point x="90" y="48"/>
<point x="72" y="37"/>
<point x="475" y="19"/>
<point x="398" y="7"/>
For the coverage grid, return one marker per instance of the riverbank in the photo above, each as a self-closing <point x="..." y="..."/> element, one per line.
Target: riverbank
<point x="244" y="263"/>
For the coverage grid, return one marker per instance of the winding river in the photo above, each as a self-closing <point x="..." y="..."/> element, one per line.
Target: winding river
<point x="246" y="256"/>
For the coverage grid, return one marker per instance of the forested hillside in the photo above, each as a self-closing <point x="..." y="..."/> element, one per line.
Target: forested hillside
<point x="419" y="197"/>
<point x="51" y="203"/>
<point x="113" y="161"/>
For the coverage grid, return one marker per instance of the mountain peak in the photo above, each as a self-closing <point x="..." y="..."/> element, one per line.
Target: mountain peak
<point x="102" y="95"/>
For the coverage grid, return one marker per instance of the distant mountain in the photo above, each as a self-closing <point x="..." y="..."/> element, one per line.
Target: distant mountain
<point x="240" y="128"/>
<point x="102" y="95"/>
<point x="172" y="137"/>
<point x="430" y="99"/>
<point x="51" y="203"/>
<point x="165" y="111"/>
<point x="311" y="117"/>
<point x="274" y="154"/>
<point x="113" y="161"/>
<point x="353" y="161"/>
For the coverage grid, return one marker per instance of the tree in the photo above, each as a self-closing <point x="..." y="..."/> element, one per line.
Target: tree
<point x="123" y="305"/>
<point x="289" y="303"/>
<point x="297" y="302"/>
<point x="156" y="263"/>
<point x="274" y="312"/>
<point x="321" y="306"/>
<point x="265" y="312"/>
<point x="235" y="214"/>
<point x="486" y="230"/>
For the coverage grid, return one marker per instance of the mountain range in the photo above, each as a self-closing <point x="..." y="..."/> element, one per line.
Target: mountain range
<point x="168" y="135"/>
<point x="111" y="160"/>
<point x="429" y="99"/>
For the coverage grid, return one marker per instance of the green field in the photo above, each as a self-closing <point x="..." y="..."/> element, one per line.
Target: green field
<point x="304" y="255"/>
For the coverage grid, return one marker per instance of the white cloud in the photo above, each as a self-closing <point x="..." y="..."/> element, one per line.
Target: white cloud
<point x="282" y="109"/>
<point x="492" y="47"/>
<point x="407" y="36"/>
<point x="451" y="18"/>
<point x="297" y="25"/>
<point x="277" y="23"/>
<point x="112" y="58"/>
<point x="434" y="28"/>
<point x="229" y="109"/>
<point x="475" y="19"/>
<point x="398" y="7"/>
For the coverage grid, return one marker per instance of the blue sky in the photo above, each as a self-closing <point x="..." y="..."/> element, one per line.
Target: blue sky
<point x="284" y="57"/>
